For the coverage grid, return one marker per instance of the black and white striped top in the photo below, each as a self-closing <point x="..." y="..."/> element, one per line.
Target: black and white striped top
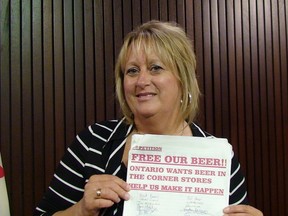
<point x="98" y="150"/>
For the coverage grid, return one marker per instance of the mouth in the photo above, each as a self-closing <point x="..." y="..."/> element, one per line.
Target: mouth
<point x="145" y="95"/>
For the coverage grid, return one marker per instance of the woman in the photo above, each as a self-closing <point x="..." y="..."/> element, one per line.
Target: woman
<point x="158" y="93"/>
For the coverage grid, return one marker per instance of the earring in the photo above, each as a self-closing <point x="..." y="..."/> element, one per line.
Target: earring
<point x="190" y="98"/>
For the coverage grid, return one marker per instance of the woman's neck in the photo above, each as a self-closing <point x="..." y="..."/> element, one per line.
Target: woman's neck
<point x="165" y="127"/>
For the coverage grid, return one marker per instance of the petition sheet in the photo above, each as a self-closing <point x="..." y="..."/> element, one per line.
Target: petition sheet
<point x="178" y="175"/>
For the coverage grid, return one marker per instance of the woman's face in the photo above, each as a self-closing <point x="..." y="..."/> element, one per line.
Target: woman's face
<point x="150" y="87"/>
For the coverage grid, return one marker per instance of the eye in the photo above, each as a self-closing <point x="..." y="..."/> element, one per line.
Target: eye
<point x="156" y="68"/>
<point x="132" y="71"/>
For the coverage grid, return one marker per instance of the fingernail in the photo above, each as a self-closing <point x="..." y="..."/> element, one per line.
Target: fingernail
<point x="127" y="196"/>
<point x="226" y="210"/>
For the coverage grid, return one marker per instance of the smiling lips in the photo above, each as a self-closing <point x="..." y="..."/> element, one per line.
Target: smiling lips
<point x="145" y="95"/>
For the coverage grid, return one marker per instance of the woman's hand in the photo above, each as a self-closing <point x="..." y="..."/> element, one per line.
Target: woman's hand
<point x="241" y="210"/>
<point x="102" y="191"/>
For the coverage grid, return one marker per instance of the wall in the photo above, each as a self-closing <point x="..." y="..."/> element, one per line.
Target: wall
<point x="56" y="77"/>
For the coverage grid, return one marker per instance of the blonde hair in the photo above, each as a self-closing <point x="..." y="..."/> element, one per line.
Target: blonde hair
<point x="174" y="49"/>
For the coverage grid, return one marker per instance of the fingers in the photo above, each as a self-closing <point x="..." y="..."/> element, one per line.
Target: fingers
<point x="241" y="210"/>
<point x="102" y="191"/>
<point x="111" y="187"/>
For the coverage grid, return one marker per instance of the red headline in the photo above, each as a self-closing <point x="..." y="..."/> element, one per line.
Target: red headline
<point x="178" y="160"/>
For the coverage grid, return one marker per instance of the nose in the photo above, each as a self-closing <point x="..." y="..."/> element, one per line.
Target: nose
<point x="144" y="78"/>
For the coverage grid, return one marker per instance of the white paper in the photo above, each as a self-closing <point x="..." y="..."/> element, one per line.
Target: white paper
<point x="178" y="175"/>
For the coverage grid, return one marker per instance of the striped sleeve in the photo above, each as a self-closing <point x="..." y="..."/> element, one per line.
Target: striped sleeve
<point x="238" y="191"/>
<point x="67" y="184"/>
<point x="75" y="168"/>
